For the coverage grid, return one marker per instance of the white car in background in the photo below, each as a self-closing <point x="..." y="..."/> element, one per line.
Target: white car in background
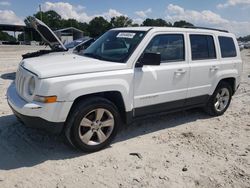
<point x="79" y="45"/>
<point x="247" y="45"/>
<point x="55" y="44"/>
<point x="241" y="46"/>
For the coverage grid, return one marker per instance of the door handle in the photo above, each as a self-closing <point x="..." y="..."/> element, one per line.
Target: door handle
<point x="180" y="71"/>
<point x="214" y="68"/>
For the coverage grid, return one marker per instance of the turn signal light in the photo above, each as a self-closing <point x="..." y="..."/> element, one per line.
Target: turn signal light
<point x="45" y="99"/>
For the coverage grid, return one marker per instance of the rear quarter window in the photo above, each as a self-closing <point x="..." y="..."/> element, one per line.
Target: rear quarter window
<point x="227" y="47"/>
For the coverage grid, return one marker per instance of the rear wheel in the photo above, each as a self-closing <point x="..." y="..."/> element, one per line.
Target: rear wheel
<point x="220" y="100"/>
<point x="93" y="124"/>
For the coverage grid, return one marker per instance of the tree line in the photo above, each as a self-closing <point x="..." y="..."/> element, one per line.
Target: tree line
<point x="244" y="39"/>
<point x="94" y="28"/>
<point x="55" y="21"/>
<point x="97" y="26"/>
<point x="6" y="37"/>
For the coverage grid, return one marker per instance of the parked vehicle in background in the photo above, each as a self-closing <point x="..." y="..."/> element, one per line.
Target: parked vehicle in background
<point x="55" y="44"/>
<point x="247" y="45"/>
<point x="241" y="45"/>
<point x="127" y="73"/>
<point x="75" y="43"/>
<point x="83" y="46"/>
<point x="79" y="45"/>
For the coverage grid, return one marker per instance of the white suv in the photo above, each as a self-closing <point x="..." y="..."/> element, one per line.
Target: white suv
<point x="127" y="73"/>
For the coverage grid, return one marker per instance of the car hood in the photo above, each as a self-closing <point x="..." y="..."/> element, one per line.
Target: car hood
<point x="67" y="64"/>
<point x="46" y="33"/>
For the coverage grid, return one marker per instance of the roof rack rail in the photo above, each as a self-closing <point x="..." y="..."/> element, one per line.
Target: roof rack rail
<point x="194" y="27"/>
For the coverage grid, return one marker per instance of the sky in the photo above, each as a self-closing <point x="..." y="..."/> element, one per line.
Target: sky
<point x="232" y="15"/>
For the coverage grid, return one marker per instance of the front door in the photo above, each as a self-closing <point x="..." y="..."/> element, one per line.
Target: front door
<point x="163" y="87"/>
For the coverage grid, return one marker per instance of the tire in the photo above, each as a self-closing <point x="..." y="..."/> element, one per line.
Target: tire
<point x="92" y="124"/>
<point x="220" y="100"/>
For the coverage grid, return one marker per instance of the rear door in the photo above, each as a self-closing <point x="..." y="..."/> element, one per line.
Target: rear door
<point x="204" y="67"/>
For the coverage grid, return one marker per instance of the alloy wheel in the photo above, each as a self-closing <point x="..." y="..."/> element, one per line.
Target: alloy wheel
<point x="222" y="99"/>
<point x="96" y="126"/>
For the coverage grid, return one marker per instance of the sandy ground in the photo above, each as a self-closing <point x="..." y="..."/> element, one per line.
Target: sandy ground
<point x="184" y="149"/>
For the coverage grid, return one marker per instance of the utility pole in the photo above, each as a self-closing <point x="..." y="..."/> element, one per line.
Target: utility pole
<point x="40" y="10"/>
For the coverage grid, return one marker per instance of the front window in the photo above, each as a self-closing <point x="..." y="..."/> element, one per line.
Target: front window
<point x="170" y="46"/>
<point x="115" y="45"/>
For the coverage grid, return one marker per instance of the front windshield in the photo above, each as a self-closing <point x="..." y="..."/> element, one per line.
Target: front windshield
<point x="115" y="45"/>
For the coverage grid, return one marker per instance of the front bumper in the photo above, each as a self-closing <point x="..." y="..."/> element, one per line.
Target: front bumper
<point x="39" y="123"/>
<point x="38" y="115"/>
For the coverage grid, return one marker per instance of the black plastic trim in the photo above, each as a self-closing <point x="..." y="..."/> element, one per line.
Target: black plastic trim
<point x="41" y="52"/>
<point x="157" y="108"/>
<point x="207" y="28"/>
<point x="167" y="107"/>
<point x="39" y="123"/>
<point x="197" y="100"/>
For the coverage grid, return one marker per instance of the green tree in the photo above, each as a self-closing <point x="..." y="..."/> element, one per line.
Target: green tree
<point x="135" y="25"/>
<point x="70" y="23"/>
<point x="156" y="22"/>
<point x="98" y="26"/>
<point x="76" y="24"/>
<point x="50" y="18"/>
<point x="244" y="39"/>
<point x="84" y="28"/>
<point x="26" y="20"/>
<point x="120" y="21"/>
<point x="182" y="23"/>
<point x="6" y="37"/>
<point x="29" y="36"/>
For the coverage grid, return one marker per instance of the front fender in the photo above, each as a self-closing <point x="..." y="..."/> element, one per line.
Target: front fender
<point x="73" y="91"/>
<point x="69" y="88"/>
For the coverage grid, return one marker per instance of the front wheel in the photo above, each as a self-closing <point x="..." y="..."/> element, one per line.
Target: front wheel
<point x="220" y="100"/>
<point x="93" y="124"/>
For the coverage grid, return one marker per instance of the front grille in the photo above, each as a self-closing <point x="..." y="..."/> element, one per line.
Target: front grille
<point x="20" y="81"/>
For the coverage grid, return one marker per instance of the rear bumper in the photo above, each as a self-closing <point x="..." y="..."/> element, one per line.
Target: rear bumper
<point x="237" y="84"/>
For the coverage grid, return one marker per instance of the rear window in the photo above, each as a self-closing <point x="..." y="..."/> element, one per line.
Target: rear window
<point x="202" y="47"/>
<point x="227" y="47"/>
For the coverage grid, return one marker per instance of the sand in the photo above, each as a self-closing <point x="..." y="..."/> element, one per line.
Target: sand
<point x="184" y="149"/>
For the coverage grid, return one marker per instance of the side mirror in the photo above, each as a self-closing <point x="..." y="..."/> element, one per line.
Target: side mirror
<point x="151" y="59"/>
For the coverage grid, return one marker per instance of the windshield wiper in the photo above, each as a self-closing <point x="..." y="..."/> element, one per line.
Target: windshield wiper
<point x="90" y="55"/>
<point x="94" y="56"/>
<point x="41" y="52"/>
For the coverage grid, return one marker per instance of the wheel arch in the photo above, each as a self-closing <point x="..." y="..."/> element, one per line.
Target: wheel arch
<point x="231" y="81"/>
<point x="114" y="96"/>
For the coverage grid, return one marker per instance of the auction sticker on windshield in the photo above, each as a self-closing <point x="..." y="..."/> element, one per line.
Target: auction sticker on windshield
<point x="126" y="35"/>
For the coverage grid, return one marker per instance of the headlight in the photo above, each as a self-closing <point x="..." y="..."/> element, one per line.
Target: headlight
<point x="32" y="86"/>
